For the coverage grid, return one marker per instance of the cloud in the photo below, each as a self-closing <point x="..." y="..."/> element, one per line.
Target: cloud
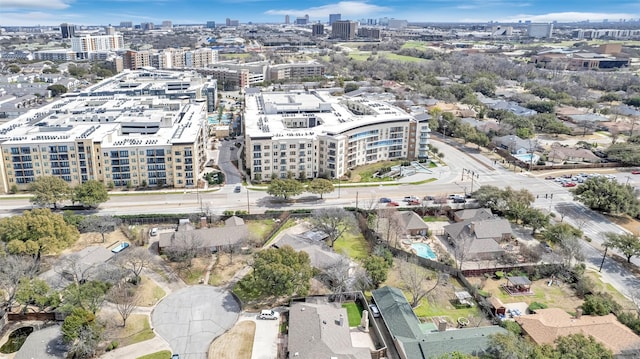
<point x="570" y="17"/>
<point x="345" y="8"/>
<point x="34" y="4"/>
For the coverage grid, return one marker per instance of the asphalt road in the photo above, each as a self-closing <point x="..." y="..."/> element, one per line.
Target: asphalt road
<point x="229" y="152"/>
<point x="191" y="318"/>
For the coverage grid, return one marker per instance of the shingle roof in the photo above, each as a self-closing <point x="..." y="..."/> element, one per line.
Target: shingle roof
<point x="477" y="214"/>
<point x="315" y="332"/>
<point x="205" y="237"/>
<point x="320" y="255"/>
<point x="397" y="313"/>
<point x="468" y="340"/>
<point x="489" y="228"/>
<point x="548" y="324"/>
<point x="411" y="221"/>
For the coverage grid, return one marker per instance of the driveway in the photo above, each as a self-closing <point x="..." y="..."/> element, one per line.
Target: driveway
<point x="228" y="153"/>
<point x="191" y="318"/>
<point x="265" y="339"/>
<point x="43" y="344"/>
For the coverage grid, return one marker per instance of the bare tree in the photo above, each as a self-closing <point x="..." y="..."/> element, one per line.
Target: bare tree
<point x="570" y="250"/>
<point x="99" y="224"/>
<point x="461" y="248"/>
<point x="135" y="261"/>
<point x="73" y="269"/>
<point x="414" y="278"/>
<point x="12" y="269"/>
<point x="336" y="275"/>
<point x="333" y="221"/>
<point x="125" y="298"/>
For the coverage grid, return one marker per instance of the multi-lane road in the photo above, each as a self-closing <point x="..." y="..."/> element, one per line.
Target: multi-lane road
<point x="448" y="179"/>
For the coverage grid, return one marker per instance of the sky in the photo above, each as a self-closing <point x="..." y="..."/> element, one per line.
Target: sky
<point x="104" y="12"/>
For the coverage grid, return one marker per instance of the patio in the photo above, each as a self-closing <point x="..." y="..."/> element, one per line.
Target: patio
<point x="517" y="286"/>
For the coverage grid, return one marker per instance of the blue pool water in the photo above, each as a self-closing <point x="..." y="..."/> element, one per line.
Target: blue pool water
<point x="527" y="158"/>
<point x="213" y="120"/>
<point x="423" y="250"/>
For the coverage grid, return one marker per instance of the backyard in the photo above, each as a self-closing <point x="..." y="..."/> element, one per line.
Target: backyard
<point x="352" y="244"/>
<point x="354" y="313"/>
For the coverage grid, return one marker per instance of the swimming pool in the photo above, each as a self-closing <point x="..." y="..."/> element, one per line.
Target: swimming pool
<point x="423" y="250"/>
<point x="528" y="158"/>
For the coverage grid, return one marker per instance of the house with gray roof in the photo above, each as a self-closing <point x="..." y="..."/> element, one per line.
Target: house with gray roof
<point x="416" y="340"/>
<point x="560" y="153"/>
<point x="234" y="232"/>
<point x="479" y="214"/>
<point x="411" y="223"/>
<point x="481" y="237"/>
<point x="320" y="255"/>
<point x="321" y="331"/>
<point x="514" y="144"/>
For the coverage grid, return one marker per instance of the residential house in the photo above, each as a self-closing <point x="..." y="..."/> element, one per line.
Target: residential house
<point x="233" y="233"/>
<point x="411" y="223"/>
<point x="514" y="144"/>
<point x="321" y="330"/>
<point x="480" y="238"/>
<point x="320" y="255"/>
<point x="486" y="126"/>
<point x="546" y="325"/>
<point x="414" y="339"/>
<point x="560" y="153"/>
<point x="478" y="214"/>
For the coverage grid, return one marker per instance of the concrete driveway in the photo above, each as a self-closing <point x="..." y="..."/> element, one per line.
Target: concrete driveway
<point x="265" y="340"/>
<point x="227" y="153"/>
<point x="191" y="318"/>
<point x="44" y="344"/>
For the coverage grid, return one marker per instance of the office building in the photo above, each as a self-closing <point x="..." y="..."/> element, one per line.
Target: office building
<point x="126" y="24"/>
<point x="167" y="24"/>
<point x="540" y="31"/>
<point x="311" y="134"/>
<point x="110" y="30"/>
<point x="134" y="129"/>
<point x="334" y="17"/>
<point x="147" y="26"/>
<point x="317" y="29"/>
<point x="302" y="20"/>
<point x="344" y="30"/>
<point x="397" y="24"/>
<point x="67" y="30"/>
<point x="170" y="58"/>
<point x="211" y="24"/>
<point x="295" y="70"/>
<point x="369" y="33"/>
<point x="287" y="19"/>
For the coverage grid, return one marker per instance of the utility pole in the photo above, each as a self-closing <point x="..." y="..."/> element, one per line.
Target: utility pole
<point x="356" y="201"/>
<point x="248" y="207"/>
<point x="603" y="257"/>
<point x="338" y="187"/>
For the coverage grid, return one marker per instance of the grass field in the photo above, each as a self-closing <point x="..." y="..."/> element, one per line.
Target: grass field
<point x="150" y="293"/>
<point x="237" y="343"/>
<point x="365" y="173"/>
<point x="354" y="313"/>
<point x="137" y="330"/>
<point x="352" y="244"/>
<point x="261" y="228"/>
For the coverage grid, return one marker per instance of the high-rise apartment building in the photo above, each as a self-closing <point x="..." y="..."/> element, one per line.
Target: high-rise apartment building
<point x="126" y="24"/>
<point x="67" y="30"/>
<point x="287" y="19"/>
<point x="147" y="26"/>
<point x="89" y="43"/>
<point x="334" y="17"/>
<point x="211" y="24"/>
<point x="110" y="30"/>
<point x="134" y="129"/>
<point x="344" y="30"/>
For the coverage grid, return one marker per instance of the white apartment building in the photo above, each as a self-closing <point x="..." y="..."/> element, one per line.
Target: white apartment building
<point x="91" y="43"/>
<point x="134" y="129"/>
<point x="311" y="134"/>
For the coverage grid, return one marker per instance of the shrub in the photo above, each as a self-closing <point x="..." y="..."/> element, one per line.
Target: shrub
<point x="499" y="274"/>
<point x="537" y="305"/>
<point x="600" y="304"/>
<point x="511" y="326"/>
<point x="583" y="286"/>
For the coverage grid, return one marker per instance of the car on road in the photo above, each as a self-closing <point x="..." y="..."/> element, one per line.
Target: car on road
<point x="384" y="200"/>
<point x="569" y="184"/>
<point x="237" y="189"/>
<point x="413" y="202"/>
<point x="175" y="356"/>
<point x="410" y="198"/>
<point x="452" y="196"/>
<point x="153" y="232"/>
<point x="393" y="204"/>
<point x="429" y="198"/>
<point x="549" y="178"/>
<point x="635" y="172"/>
<point x="269" y="314"/>
<point x="459" y="200"/>
<point x="374" y="310"/>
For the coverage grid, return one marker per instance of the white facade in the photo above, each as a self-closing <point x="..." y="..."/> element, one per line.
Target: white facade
<point x="90" y="43"/>
<point x="314" y="134"/>
<point x="540" y="31"/>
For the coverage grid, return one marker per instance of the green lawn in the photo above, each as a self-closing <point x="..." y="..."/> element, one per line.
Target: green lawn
<point x="427" y="309"/>
<point x="353" y="245"/>
<point x="421" y="45"/>
<point x="165" y="354"/>
<point x="261" y="227"/>
<point x="365" y="173"/>
<point x="139" y="324"/>
<point x="288" y="224"/>
<point x="354" y="313"/>
<point x="435" y="219"/>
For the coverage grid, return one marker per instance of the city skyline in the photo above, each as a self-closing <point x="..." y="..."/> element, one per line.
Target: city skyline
<point x="103" y="12"/>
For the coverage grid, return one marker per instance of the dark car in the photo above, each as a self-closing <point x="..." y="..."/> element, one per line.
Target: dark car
<point x="459" y="200"/>
<point x="237" y="189"/>
<point x="385" y="200"/>
<point x="429" y="198"/>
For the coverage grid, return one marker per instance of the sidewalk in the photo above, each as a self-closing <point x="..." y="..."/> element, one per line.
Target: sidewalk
<point x="134" y="351"/>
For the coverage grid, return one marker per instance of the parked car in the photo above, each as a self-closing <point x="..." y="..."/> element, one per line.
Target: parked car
<point x="459" y="200"/>
<point x="569" y="184"/>
<point x="393" y="204"/>
<point x="410" y="198"/>
<point x="452" y="196"/>
<point x="237" y="189"/>
<point x="635" y="172"/>
<point x="374" y="310"/>
<point x="384" y="200"/>
<point x="153" y="232"/>
<point x="175" y="356"/>
<point x="549" y="178"/>
<point x="413" y="202"/>
<point x="269" y="314"/>
<point x="429" y="198"/>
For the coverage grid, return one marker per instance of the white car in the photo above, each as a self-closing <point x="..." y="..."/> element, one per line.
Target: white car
<point x="269" y="314"/>
<point x="153" y="232"/>
<point x="374" y="310"/>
